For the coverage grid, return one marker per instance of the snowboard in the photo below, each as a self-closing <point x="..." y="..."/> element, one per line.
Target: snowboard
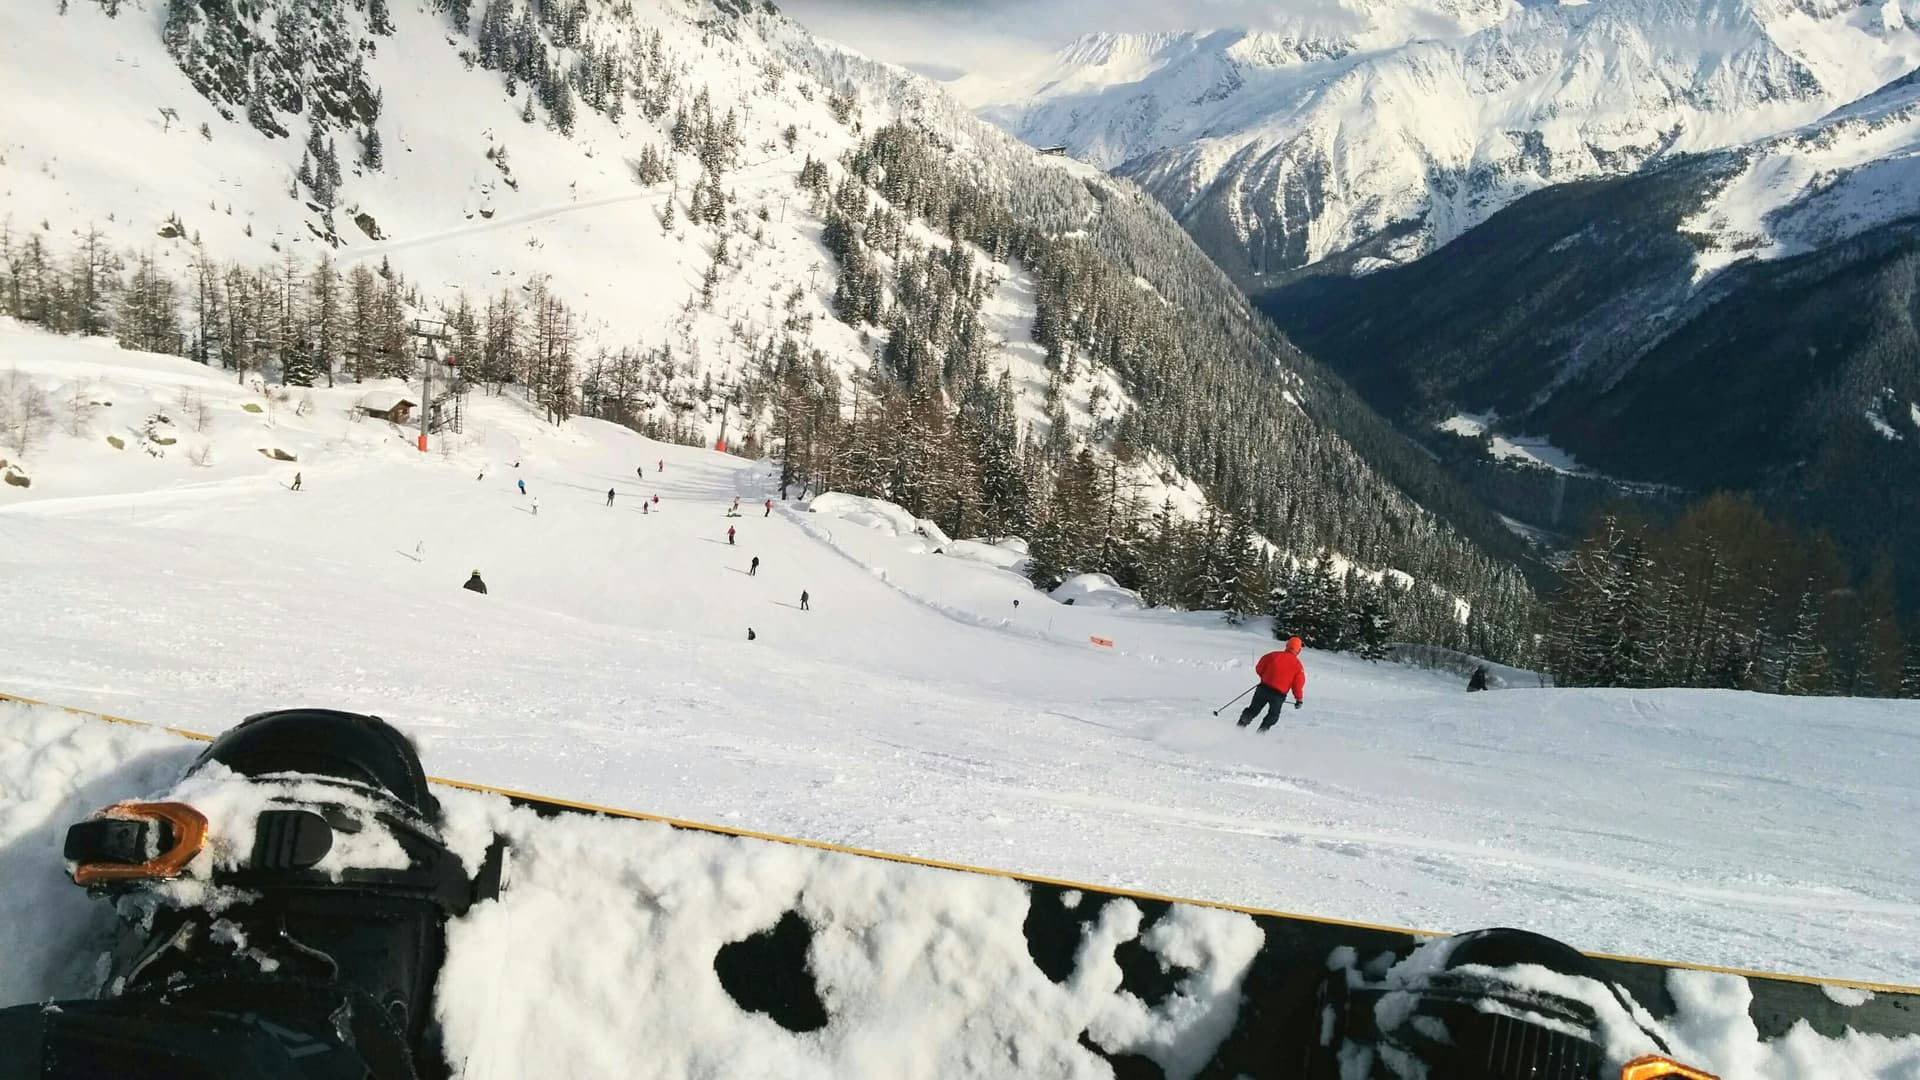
<point x="629" y="944"/>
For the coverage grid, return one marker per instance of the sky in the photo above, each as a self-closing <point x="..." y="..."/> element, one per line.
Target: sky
<point x="945" y="38"/>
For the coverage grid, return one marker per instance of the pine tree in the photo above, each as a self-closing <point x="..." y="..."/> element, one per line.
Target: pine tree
<point x="1876" y="653"/>
<point x="327" y="317"/>
<point x="465" y="348"/>
<point x="666" y="212"/>
<point x="1910" y="669"/>
<point x="299" y="367"/>
<point x="1373" y="629"/>
<point x="1321" y="610"/>
<point x="209" y="310"/>
<point x="177" y="34"/>
<point x="1804" y="668"/>
<point x="651" y="168"/>
<point x="92" y="282"/>
<point x="361" y="345"/>
<point x="326" y="176"/>
<point x="1243" y="568"/>
<point x="283" y="310"/>
<point x="372" y="158"/>
<point x="1283" y="597"/>
<point x="148" y="319"/>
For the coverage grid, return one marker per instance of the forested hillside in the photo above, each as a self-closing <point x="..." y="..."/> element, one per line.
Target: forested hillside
<point x="696" y="217"/>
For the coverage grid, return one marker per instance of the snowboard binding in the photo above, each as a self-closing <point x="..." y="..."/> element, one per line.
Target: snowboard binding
<point x="283" y="915"/>
<point x="1488" y="1005"/>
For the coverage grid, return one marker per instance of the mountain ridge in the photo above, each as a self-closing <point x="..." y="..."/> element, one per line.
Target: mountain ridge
<point x="1414" y="138"/>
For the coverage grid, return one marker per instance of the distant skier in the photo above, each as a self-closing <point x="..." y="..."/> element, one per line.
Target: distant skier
<point x="523" y="486"/>
<point x="641" y="472"/>
<point x="1279" y="672"/>
<point x="753" y="568"/>
<point x="1479" y="679"/>
<point x="644" y="504"/>
<point x="1016" y="602"/>
<point x="663" y="465"/>
<point x="474" y="584"/>
<point x="769" y="512"/>
<point x="296" y="483"/>
<point x="536" y="506"/>
<point x="656" y="500"/>
<point x="482" y="476"/>
<point x="729" y="536"/>
<point x="609" y="496"/>
<point x="750" y="633"/>
<point x="736" y="504"/>
<point x="804" y="601"/>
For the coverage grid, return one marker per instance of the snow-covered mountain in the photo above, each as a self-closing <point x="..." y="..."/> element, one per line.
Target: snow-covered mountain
<point x="1854" y="170"/>
<point x="1378" y="142"/>
<point x="715" y="196"/>
<point x="1733" y="321"/>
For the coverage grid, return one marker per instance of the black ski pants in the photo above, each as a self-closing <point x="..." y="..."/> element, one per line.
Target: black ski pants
<point x="1264" y="697"/>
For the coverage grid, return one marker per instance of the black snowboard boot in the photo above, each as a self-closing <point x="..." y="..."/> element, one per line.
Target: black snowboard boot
<point x="284" y="916"/>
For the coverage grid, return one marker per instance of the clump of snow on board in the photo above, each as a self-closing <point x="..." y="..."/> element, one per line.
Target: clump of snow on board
<point x="924" y="973"/>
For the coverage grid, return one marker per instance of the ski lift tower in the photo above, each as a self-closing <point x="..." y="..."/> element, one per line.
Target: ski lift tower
<point x="429" y="333"/>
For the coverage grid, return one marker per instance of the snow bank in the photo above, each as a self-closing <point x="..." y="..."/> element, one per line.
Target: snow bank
<point x="1438" y="658"/>
<point x="878" y="514"/>
<point x="1006" y="555"/>
<point x="1097" y="590"/>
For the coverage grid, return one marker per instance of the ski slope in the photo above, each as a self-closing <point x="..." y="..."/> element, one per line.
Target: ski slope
<point x="914" y="709"/>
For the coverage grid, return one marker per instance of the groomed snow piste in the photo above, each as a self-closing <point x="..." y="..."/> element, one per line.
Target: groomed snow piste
<point x="913" y="709"/>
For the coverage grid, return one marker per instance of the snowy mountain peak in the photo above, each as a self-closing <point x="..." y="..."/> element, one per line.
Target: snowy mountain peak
<point x="1381" y="131"/>
<point x="1853" y="170"/>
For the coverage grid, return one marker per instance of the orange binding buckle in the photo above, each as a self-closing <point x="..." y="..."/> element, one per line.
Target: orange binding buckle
<point x="189" y="836"/>
<point x="1654" y="1067"/>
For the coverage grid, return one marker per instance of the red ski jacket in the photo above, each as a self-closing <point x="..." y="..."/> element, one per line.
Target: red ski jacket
<point x="1280" y="670"/>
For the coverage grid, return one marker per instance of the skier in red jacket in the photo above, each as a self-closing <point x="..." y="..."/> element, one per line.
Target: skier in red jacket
<point x="1279" y="672"/>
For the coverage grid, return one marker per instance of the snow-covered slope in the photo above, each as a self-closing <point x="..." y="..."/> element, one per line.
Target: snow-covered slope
<point x="1853" y="170"/>
<point x="481" y="192"/>
<point x="914" y="708"/>
<point x="1279" y="151"/>
<point x="664" y="207"/>
<point x="1646" y="324"/>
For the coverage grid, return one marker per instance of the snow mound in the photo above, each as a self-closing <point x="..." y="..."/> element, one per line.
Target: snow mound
<point x="1454" y="662"/>
<point x="1005" y="555"/>
<point x="1097" y="590"/>
<point x="880" y="515"/>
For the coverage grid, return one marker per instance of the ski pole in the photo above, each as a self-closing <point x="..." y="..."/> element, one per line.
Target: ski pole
<point x="1236" y="697"/>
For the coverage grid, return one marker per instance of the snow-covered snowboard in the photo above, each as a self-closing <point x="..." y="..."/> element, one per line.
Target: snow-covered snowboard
<point x="624" y="945"/>
<point x="860" y="963"/>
